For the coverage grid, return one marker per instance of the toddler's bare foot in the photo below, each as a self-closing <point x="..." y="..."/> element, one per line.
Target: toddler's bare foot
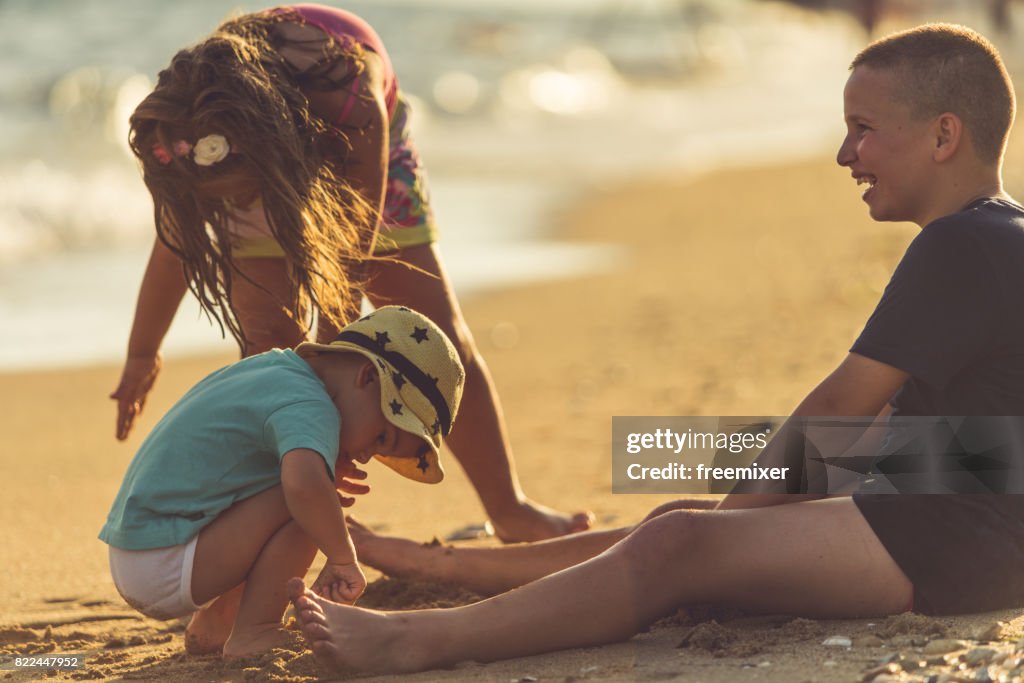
<point x="255" y="640"/>
<point x="347" y="638"/>
<point x="209" y="628"/>
<point x="532" y="521"/>
<point x="398" y="557"/>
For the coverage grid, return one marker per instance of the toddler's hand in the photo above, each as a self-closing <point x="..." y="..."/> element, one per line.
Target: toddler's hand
<point x="343" y="472"/>
<point x="136" y="380"/>
<point x="340" y="582"/>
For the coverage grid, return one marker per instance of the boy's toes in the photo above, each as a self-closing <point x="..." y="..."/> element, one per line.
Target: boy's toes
<point x="315" y="632"/>
<point x="311" y="616"/>
<point x="296" y="588"/>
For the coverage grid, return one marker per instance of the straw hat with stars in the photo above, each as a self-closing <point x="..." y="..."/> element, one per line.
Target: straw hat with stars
<point x="421" y="379"/>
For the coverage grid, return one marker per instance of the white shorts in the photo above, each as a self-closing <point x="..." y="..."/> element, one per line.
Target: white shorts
<point x="156" y="582"/>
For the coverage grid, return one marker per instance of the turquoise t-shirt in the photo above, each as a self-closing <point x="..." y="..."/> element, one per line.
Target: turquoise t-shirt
<point x="221" y="443"/>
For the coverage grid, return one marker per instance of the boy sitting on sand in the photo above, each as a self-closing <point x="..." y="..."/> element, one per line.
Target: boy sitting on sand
<point x="928" y="112"/>
<point x="233" y="491"/>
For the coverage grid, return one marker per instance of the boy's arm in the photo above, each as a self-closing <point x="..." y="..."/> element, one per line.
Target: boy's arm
<point x="312" y="501"/>
<point x="859" y="387"/>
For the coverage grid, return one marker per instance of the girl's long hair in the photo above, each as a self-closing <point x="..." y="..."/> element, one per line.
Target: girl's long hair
<point x="236" y="84"/>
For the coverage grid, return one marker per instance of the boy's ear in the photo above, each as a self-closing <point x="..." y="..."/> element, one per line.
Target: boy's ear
<point x="948" y="131"/>
<point x="367" y="374"/>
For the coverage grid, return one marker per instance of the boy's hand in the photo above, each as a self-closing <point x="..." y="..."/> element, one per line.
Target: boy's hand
<point x="137" y="379"/>
<point x="345" y="470"/>
<point x="340" y="582"/>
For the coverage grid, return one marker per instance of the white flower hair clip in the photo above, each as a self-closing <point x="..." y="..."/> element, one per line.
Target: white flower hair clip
<point x="207" y="151"/>
<point x="210" y="149"/>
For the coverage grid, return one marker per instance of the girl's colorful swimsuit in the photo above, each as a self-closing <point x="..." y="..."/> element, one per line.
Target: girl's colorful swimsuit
<point x="407" y="220"/>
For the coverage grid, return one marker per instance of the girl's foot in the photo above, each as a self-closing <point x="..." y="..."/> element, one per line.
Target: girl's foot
<point x="352" y="638"/>
<point x="399" y="557"/>
<point x="531" y="521"/>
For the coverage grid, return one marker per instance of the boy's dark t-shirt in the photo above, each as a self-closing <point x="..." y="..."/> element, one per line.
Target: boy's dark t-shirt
<point x="953" y="317"/>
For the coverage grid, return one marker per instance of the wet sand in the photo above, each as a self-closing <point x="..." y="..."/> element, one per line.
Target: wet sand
<point x="736" y="293"/>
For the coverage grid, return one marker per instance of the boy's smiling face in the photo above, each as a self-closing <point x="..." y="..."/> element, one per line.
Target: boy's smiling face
<point x="886" y="148"/>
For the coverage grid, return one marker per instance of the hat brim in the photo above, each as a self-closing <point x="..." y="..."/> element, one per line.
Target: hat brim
<point x="426" y="470"/>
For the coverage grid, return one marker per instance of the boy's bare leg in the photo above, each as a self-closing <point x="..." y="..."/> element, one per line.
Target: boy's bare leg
<point x="492" y="570"/>
<point x="254" y="542"/>
<point x="210" y="627"/>
<point x="818" y="559"/>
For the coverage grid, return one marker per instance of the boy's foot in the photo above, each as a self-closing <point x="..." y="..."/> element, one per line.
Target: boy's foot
<point x="353" y="638"/>
<point x="209" y="628"/>
<point x="532" y="521"/>
<point x="256" y="640"/>
<point x="398" y="557"/>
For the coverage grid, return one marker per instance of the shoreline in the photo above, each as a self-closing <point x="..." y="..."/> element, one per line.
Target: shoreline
<point x="727" y="301"/>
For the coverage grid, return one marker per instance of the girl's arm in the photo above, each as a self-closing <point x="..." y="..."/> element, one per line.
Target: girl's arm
<point x="163" y="287"/>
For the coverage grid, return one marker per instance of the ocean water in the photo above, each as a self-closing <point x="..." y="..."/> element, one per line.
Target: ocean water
<point x="520" y="109"/>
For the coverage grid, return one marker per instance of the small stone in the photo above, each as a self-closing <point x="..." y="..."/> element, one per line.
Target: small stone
<point x="887" y="669"/>
<point x="978" y="656"/>
<point x="837" y="641"/>
<point x="894" y="657"/>
<point x="982" y="676"/>
<point x="829" y="663"/>
<point x="902" y="641"/>
<point x="885" y="678"/>
<point x="912" y="664"/>
<point x="764" y="665"/>
<point x="989" y="632"/>
<point x="868" y="641"/>
<point x="941" y="646"/>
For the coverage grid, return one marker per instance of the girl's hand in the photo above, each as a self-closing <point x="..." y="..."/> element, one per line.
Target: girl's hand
<point x="342" y="583"/>
<point x="343" y="472"/>
<point x="137" y="379"/>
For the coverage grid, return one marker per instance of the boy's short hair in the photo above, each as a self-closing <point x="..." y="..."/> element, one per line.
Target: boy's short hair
<point x="950" y="68"/>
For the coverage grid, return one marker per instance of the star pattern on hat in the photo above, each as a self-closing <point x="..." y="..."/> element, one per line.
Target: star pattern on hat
<point x="381" y="364"/>
<point x="396" y="407"/>
<point x="383" y="339"/>
<point x="433" y="379"/>
<point x="423" y="464"/>
<point x="419" y="334"/>
<point x="399" y="380"/>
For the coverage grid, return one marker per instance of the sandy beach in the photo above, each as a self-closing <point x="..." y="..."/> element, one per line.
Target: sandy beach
<point x="736" y="293"/>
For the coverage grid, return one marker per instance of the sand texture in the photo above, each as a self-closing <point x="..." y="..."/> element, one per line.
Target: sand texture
<point x="735" y="294"/>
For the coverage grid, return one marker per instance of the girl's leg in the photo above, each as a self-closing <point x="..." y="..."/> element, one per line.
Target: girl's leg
<point x="817" y="559"/>
<point x="479" y="439"/>
<point x="264" y="313"/>
<point x="254" y="542"/>
<point x="492" y="570"/>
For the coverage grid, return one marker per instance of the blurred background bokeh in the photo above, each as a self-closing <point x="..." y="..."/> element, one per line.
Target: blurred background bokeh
<point x="520" y="108"/>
